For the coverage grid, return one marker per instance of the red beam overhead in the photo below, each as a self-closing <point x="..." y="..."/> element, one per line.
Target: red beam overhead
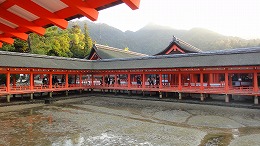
<point x="83" y="8"/>
<point x="23" y="16"/>
<point x="41" y="12"/>
<point x="13" y="32"/>
<point x="6" y="39"/>
<point x="21" y="21"/>
<point x="99" y="3"/>
<point x="133" y="4"/>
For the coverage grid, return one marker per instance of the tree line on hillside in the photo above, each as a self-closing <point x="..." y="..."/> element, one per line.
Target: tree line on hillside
<point x="72" y="42"/>
<point x="153" y="38"/>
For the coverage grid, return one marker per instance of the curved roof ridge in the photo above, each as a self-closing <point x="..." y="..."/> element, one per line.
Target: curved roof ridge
<point x="208" y="53"/>
<point x="193" y="47"/>
<point x="120" y="50"/>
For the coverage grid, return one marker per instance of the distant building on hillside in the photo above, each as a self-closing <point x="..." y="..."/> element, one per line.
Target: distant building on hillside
<point x="99" y="52"/>
<point x="178" y="46"/>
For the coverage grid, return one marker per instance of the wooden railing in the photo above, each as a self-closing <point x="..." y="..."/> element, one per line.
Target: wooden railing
<point x="217" y="88"/>
<point x="19" y="88"/>
<point x="2" y="88"/>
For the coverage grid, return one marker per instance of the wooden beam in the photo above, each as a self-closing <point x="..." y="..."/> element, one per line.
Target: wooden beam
<point x="6" y="40"/>
<point x="21" y="22"/>
<point x="83" y="8"/>
<point x="41" y="12"/>
<point x="13" y="32"/>
<point x="133" y="4"/>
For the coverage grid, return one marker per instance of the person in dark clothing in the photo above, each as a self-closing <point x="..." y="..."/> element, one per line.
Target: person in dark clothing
<point x="157" y="80"/>
<point x="118" y="80"/>
<point x="138" y="80"/>
<point x="44" y="81"/>
<point x="63" y="79"/>
<point x="101" y="81"/>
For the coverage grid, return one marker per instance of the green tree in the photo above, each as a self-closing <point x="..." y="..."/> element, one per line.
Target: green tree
<point x="55" y="42"/>
<point x="77" y="43"/>
<point x="18" y="46"/>
<point x="87" y="39"/>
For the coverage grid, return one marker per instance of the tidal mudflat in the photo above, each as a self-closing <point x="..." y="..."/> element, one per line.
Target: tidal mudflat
<point x="114" y="121"/>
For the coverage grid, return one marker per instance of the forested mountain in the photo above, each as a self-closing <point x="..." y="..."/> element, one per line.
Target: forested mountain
<point x="76" y="41"/>
<point x="152" y="38"/>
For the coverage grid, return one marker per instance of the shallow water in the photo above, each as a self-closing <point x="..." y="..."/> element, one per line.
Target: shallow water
<point x="108" y="121"/>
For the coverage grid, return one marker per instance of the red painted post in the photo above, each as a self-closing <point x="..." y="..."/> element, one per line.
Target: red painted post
<point x="143" y="81"/>
<point x="211" y="78"/>
<point x="201" y="81"/>
<point x="160" y="78"/>
<point x="92" y="80"/>
<point x="129" y="80"/>
<point x="103" y="80"/>
<point x="8" y="75"/>
<point x="255" y="81"/>
<point x="226" y="81"/>
<point x="31" y="80"/>
<point x="80" y="79"/>
<point x="50" y="81"/>
<point x="179" y="80"/>
<point x="115" y="82"/>
<point x="67" y="80"/>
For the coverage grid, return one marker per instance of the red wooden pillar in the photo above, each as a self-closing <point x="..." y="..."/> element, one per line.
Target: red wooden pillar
<point x="31" y="80"/>
<point x="201" y="81"/>
<point x="92" y="80"/>
<point x="255" y="81"/>
<point x="211" y="78"/>
<point x="160" y="81"/>
<point x="129" y="80"/>
<point x="115" y="82"/>
<point x="226" y="81"/>
<point x="143" y="82"/>
<point x="8" y="75"/>
<point x="50" y="81"/>
<point x="103" y="80"/>
<point x="67" y="80"/>
<point x="179" y="80"/>
<point x="192" y="78"/>
<point x="80" y="80"/>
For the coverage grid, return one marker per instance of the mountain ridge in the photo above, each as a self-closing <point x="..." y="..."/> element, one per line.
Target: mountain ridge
<point x="153" y="38"/>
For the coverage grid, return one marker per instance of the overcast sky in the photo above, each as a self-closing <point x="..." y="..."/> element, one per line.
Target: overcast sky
<point x="229" y="17"/>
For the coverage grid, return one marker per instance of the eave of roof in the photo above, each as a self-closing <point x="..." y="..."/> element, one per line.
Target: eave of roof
<point x="106" y="52"/>
<point x="234" y="57"/>
<point x="21" y="17"/>
<point x="186" y="47"/>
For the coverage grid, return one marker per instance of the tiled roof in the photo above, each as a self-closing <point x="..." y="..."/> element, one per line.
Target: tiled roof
<point x="234" y="57"/>
<point x="13" y="59"/>
<point x="106" y="52"/>
<point x="186" y="47"/>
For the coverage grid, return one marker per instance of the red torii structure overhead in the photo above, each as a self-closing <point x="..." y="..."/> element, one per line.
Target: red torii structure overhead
<point x="18" y="18"/>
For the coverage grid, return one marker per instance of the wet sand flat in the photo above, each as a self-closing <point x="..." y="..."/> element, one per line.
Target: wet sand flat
<point x="113" y="121"/>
